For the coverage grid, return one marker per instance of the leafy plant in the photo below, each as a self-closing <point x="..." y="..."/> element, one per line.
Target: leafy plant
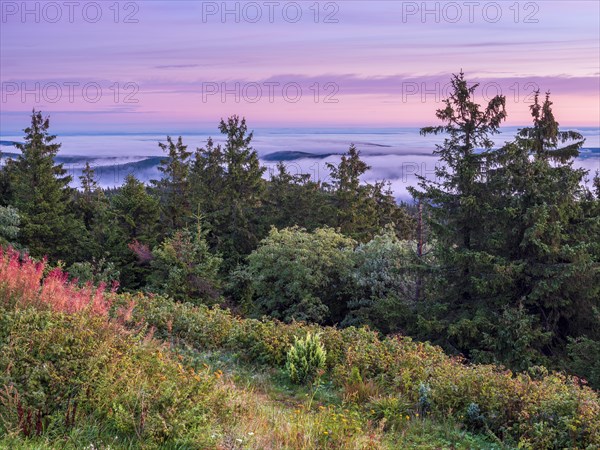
<point x="305" y="359"/>
<point x="184" y="268"/>
<point x="297" y="275"/>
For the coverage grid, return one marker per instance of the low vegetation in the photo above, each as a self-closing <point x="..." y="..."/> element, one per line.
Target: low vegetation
<point x="79" y="366"/>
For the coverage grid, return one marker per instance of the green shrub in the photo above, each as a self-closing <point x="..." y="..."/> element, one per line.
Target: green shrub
<point x="530" y="410"/>
<point x="297" y="275"/>
<point x="184" y="268"/>
<point x="305" y="359"/>
<point x="64" y="371"/>
<point x="95" y="272"/>
<point x="584" y="354"/>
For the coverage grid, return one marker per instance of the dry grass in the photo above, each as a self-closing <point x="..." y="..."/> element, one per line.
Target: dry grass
<point x="259" y="422"/>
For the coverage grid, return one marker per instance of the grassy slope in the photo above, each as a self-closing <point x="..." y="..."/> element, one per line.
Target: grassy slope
<point x="151" y="373"/>
<point x="271" y="413"/>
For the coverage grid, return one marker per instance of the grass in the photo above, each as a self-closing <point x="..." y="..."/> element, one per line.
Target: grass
<point x="268" y="412"/>
<point x="149" y="373"/>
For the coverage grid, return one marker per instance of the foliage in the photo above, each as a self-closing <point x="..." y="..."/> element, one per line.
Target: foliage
<point x="519" y="408"/>
<point x="62" y="362"/>
<point x="184" y="268"/>
<point x="134" y="217"/>
<point x="296" y="199"/>
<point x="305" y="359"/>
<point x="585" y="358"/>
<point x="40" y="191"/>
<point x="25" y="282"/>
<point x="92" y="207"/>
<point x="94" y="272"/>
<point x="228" y="188"/>
<point x="386" y="274"/>
<point x="173" y="188"/>
<point x="139" y="391"/>
<point x="298" y="275"/>
<point x="360" y="209"/>
<point x="516" y="270"/>
<point x="9" y="225"/>
<point x="511" y="281"/>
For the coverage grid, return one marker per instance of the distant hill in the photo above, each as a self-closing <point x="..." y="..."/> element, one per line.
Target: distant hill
<point x="293" y="155"/>
<point x="110" y="170"/>
<point x="9" y="143"/>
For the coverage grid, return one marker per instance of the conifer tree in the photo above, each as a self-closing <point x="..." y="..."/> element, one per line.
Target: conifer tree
<point x="40" y="191"/>
<point x="134" y="219"/>
<point x="363" y="209"/>
<point x="456" y="199"/>
<point x="548" y="234"/>
<point x="173" y="189"/>
<point x="350" y="197"/>
<point x="91" y="206"/>
<point x="230" y="190"/>
<point x="296" y="200"/>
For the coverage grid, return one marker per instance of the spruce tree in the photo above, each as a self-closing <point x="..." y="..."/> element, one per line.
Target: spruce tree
<point x="91" y="206"/>
<point x="456" y="199"/>
<point x="295" y="200"/>
<point x="363" y="209"/>
<point x="230" y="190"/>
<point x="173" y="189"/>
<point x="549" y="228"/>
<point x="134" y="220"/>
<point x="40" y="191"/>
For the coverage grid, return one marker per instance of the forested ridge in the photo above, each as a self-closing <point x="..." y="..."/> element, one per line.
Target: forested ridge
<point x="333" y="286"/>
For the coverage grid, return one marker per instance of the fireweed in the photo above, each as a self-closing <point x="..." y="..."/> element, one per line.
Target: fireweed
<point x="22" y="283"/>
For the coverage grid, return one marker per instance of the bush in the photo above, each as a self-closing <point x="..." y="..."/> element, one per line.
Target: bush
<point x="297" y="275"/>
<point x="584" y="354"/>
<point x="59" y="371"/>
<point x="133" y="386"/>
<point x="521" y="409"/>
<point x="65" y="365"/>
<point x="387" y="283"/>
<point x="95" y="272"/>
<point x="9" y="225"/>
<point x="184" y="268"/>
<point x="305" y="359"/>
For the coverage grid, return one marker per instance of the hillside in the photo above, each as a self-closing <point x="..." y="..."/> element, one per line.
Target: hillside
<point x="81" y="367"/>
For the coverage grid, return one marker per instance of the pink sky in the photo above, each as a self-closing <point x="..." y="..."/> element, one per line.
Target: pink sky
<point x="358" y="63"/>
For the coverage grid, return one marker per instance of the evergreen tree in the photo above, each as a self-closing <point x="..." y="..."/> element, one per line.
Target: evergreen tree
<point x="549" y="229"/>
<point x="9" y="225"/>
<point x="457" y="201"/>
<point x="40" y="191"/>
<point x="353" y="215"/>
<point x="184" y="268"/>
<point x="207" y="177"/>
<point x="362" y="209"/>
<point x="292" y="200"/>
<point x="517" y="273"/>
<point x="230" y="190"/>
<point x="91" y="205"/>
<point x="134" y="219"/>
<point x="173" y="189"/>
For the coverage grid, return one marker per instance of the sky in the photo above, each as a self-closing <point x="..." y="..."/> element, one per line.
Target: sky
<point x="180" y="66"/>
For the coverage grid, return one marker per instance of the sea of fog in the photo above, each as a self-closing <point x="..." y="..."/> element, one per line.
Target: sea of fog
<point x="396" y="155"/>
